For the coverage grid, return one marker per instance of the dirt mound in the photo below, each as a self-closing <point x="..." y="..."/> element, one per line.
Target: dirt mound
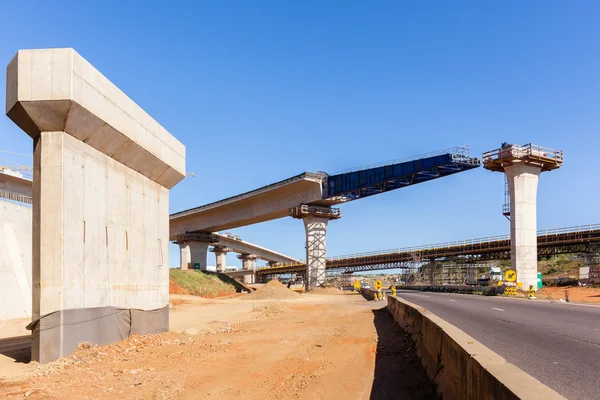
<point x="176" y="289"/>
<point x="326" y="290"/>
<point x="272" y="290"/>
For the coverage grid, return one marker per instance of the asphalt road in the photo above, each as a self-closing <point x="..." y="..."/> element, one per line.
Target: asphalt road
<point x="557" y="343"/>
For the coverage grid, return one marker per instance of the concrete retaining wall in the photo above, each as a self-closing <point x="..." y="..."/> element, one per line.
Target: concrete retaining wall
<point x="15" y="264"/>
<point x="462" y="367"/>
<point x="368" y="294"/>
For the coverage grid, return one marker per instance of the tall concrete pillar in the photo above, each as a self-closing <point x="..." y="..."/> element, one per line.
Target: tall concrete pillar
<point x="102" y="173"/>
<point x="523" y="183"/>
<point x="522" y="166"/>
<point x="248" y="264"/>
<point x="315" y="225"/>
<point x="199" y="254"/>
<point x="221" y="257"/>
<point x="195" y="248"/>
<point x="185" y="257"/>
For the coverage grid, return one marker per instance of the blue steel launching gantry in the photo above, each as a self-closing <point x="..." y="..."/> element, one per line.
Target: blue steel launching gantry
<point x="353" y="184"/>
<point x="310" y="197"/>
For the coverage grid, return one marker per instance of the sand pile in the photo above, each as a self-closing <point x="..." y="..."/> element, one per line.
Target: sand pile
<point x="326" y="290"/>
<point x="272" y="290"/>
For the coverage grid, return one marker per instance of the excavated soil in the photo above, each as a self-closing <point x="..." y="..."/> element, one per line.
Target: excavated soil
<point x="575" y="294"/>
<point x="307" y="347"/>
<point x="176" y="289"/>
<point x="274" y="290"/>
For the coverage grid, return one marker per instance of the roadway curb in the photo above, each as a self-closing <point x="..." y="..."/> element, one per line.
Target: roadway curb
<point x="462" y="367"/>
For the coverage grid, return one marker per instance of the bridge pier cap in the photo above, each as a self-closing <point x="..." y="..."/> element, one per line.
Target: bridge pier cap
<point x="522" y="166"/>
<point x="102" y="172"/>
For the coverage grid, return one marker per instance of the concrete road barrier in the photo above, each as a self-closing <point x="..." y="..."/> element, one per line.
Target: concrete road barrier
<point x="462" y="367"/>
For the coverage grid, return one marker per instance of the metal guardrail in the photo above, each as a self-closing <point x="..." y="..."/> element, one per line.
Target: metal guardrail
<point x="526" y="150"/>
<point x="459" y="152"/>
<point x="19" y="198"/>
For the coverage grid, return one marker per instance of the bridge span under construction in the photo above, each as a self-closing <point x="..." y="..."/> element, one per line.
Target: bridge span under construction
<point x="578" y="239"/>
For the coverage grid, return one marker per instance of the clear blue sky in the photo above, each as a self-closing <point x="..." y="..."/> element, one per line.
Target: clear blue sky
<point x="259" y="91"/>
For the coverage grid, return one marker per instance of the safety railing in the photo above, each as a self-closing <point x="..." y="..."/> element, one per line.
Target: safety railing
<point x="542" y="235"/>
<point x="527" y="150"/>
<point x="460" y="152"/>
<point x="19" y="198"/>
<point x="479" y="241"/>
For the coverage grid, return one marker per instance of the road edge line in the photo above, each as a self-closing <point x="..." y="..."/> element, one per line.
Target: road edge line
<point x="462" y="367"/>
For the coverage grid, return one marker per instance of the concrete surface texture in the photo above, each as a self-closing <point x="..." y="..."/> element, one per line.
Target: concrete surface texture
<point x="185" y="256"/>
<point x="556" y="343"/>
<point x="100" y="231"/>
<point x="221" y="257"/>
<point x="248" y="264"/>
<point x="463" y="367"/>
<point x="523" y="183"/>
<point x="15" y="263"/>
<point x="102" y="173"/>
<point x="198" y="253"/>
<point x="53" y="90"/>
<point x="316" y="246"/>
<point x="248" y="208"/>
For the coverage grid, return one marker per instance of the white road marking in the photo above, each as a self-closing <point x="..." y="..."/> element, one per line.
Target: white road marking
<point x="497" y="309"/>
<point x="452" y="300"/>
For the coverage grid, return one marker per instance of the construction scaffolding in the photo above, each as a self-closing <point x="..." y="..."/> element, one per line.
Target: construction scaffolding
<point x="441" y="274"/>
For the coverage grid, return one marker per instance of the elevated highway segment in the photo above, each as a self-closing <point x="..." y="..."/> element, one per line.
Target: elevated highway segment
<point x="194" y="249"/>
<point x="552" y="241"/>
<point x="309" y="196"/>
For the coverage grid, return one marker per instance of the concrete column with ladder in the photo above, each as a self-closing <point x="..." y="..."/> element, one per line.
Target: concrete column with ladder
<point x="523" y="166"/>
<point x="315" y="220"/>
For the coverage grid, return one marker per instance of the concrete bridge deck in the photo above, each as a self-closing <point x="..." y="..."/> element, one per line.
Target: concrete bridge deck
<point x="319" y="189"/>
<point x="241" y="246"/>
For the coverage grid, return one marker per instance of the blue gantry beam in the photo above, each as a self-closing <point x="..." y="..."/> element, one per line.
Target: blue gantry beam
<point x="371" y="180"/>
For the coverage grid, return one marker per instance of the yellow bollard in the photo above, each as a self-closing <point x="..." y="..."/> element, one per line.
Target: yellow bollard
<point x="531" y="292"/>
<point x="394" y="291"/>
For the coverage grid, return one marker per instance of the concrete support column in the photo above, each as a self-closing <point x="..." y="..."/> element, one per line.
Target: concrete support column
<point x="523" y="183"/>
<point x="185" y="258"/>
<point x="199" y="253"/>
<point x="221" y="257"/>
<point x="248" y="264"/>
<point x="316" y="231"/>
<point x="100" y="215"/>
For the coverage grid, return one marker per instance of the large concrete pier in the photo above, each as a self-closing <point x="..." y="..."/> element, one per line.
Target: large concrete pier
<point x="102" y="173"/>
<point x="523" y="166"/>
